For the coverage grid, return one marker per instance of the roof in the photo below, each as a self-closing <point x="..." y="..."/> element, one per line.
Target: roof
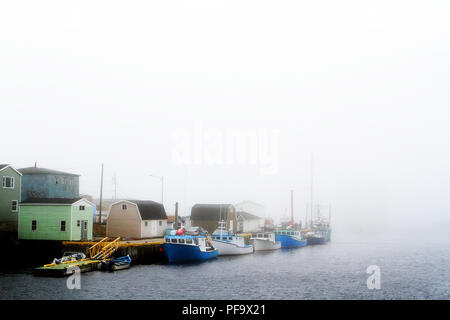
<point x="149" y="210"/>
<point x="36" y="170"/>
<point x="247" y="216"/>
<point x="51" y="201"/>
<point x="4" y="166"/>
<point x="214" y="212"/>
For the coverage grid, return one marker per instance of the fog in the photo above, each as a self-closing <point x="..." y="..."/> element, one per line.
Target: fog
<point x="163" y="87"/>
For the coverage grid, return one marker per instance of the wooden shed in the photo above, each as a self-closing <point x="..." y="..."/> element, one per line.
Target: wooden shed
<point x="208" y="216"/>
<point x="136" y="219"/>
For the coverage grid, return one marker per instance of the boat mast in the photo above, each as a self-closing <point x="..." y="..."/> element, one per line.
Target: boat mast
<point x="329" y="213"/>
<point x="311" y="192"/>
<point x="292" y="207"/>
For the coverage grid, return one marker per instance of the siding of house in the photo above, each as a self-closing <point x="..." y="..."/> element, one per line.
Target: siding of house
<point x="211" y="225"/>
<point x="86" y="214"/>
<point x="154" y="228"/>
<point x="44" y="186"/>
<point x="8" y="195"/>
<point x="253" y="225"/>
<point x="124" y="223"/>
<point x="48" y="219"/>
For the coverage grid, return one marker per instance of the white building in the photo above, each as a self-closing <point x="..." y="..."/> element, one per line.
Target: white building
<point x="251" y="207"/>
<point x="247" y="222"/>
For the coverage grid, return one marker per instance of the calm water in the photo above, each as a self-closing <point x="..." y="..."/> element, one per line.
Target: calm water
<point x="411" y="268"/>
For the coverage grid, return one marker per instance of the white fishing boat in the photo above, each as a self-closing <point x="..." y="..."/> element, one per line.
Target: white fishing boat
<point x="265" y="241"/>
<point x="228" y="243"/>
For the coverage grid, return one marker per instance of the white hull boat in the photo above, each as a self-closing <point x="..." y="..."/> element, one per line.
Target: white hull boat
<point x="228" y="243"/>
<point x="228" y="248"/>
<point x="265" y="241"/>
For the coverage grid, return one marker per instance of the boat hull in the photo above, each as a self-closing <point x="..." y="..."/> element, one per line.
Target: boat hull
<point x="316" y="240"/>
<point x="262" y="245"/>
<point x="116" y="266"/>
<point x="185" y="253"/>
<point x="290" y="242"/>
<point x="228" y="248"/>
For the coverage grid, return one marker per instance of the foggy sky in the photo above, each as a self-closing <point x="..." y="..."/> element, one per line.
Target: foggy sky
<point x="363" y="86"/>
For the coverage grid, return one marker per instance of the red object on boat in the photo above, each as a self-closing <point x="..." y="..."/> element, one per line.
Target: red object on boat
<point x="180" y="232"/>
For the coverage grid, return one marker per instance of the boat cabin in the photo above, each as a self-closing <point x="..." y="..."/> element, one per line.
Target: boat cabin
<point x="200" y="242"/>
<point x="269" y="236"/>
<point x="292" y="233"/>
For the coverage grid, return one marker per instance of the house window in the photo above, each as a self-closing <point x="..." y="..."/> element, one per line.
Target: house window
<point x="124" y="207"/>
<point x="56" y="180"/>
<point x="82" y="208"/>
<point x="146" y="223"/>
<point x="14" y="205"/>
<point x="63" y="225"/>
<point x="33" y="225"/>
<point x="8" y="182"/>
<point x="78" y="223"/>
<point x="160" y="223"/>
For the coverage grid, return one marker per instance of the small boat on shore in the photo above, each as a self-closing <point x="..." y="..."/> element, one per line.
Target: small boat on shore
<point x="290" y="238"/>
<point x="265" y="241"/>
<point x="188" y="245"/>
<point x="229" y="243"/>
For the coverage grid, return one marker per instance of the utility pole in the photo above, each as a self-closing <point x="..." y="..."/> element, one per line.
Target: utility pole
<point x="115" y="185"/>
<point x="101" y="196"/>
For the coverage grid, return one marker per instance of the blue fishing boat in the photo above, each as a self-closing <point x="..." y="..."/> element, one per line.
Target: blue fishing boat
<point x="188" y="245"/>
<point x="290" y="238"/>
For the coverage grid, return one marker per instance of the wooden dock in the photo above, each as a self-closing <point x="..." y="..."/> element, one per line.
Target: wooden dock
<point x="143" y="251"/>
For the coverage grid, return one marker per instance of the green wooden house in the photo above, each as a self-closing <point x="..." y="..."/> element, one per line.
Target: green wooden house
<point x="56" y="219"/>
<point x="10" y="188"/>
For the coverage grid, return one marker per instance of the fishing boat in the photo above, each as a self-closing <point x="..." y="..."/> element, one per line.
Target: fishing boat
<point x="265" y="241"/>
<point x="290" y="238"/>
<point x="188" y="245"/>
<point x="70" y="256"/>
<point x="229" y="243"/>
<point x="117" y="264"/>
<point x="320" y="232"/>
<point x="315" y="237"/>
<point x="67" y="268"/>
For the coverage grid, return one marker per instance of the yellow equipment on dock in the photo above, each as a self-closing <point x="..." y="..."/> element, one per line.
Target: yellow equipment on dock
<point x="103" y="249"/>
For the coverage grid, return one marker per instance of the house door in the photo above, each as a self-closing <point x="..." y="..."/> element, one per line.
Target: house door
<point x="84" y="229"/>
